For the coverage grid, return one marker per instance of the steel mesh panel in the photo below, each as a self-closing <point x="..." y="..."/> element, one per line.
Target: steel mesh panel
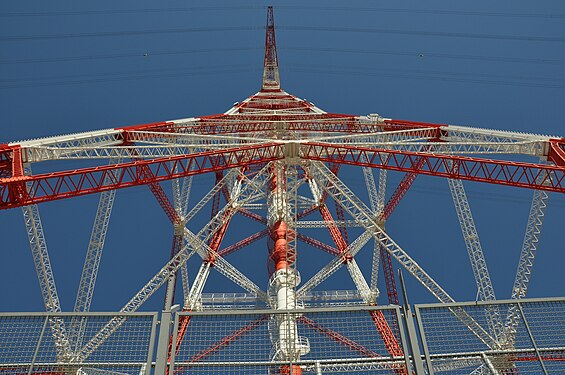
<point x="28" y="343"/>
<point x="19" y="336"/>
<point x="453" y="346"/>
<point x="547" y="322"/>
<point x="341" y="341"/>
<point x="445" y="333"/>
<point x="129" y="343"/>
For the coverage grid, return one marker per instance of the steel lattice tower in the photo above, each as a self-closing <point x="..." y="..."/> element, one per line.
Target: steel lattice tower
<point x="276" y="159"/>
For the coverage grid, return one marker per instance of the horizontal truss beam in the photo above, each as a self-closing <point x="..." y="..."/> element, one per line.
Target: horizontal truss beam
<point x="59" y="185"/>
<point x="518" y="174"/>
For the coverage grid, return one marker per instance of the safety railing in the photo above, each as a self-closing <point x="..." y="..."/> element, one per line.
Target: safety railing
<point x="316" y="340"/>
<point x="73" y="343"/>
<point x="528" y="337"/>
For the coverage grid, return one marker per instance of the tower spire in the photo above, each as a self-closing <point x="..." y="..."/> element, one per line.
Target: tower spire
<point x="271" y="78"/>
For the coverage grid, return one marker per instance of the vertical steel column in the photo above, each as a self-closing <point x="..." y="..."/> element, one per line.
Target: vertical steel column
<point x="38" y="345"/>
<point x="411" y="329"/>
<point x="489" y="365"/>
<point x="532" y="338"/>
<point x="285" y="278"/>
<point x="165" y="330"/>
<point x="147" y="370"/>
<point x="318" y="368"/>
<point x="424" y="342"/>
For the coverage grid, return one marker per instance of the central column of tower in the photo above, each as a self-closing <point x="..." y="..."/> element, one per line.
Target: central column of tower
<point x="284" y="279"/>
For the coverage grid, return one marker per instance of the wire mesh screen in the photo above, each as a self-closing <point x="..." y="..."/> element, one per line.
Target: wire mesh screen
<point x="75" y="343"/>
<point x="361" y="341"/>
<point x="491" y="338"/>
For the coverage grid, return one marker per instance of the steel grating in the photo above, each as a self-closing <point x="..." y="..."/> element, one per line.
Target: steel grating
<point x="27" y="344"/>
<point x="327" y="340"/>
<point x="338" y="340"/>
<point x="535" y="346"/>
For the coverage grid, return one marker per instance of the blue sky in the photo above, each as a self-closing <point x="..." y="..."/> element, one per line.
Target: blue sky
<point x="493" y="65"/>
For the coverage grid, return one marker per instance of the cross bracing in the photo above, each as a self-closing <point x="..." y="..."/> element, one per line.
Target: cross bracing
<point x="276" y="160"/>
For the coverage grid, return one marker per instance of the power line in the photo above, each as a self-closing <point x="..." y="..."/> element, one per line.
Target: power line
<point x="128" y="33"/>
<point x="426" y="33"/>
<point x="423" y="54"/>
<point x="430" y="72"/>
<point x="289" y="28"/>
<point x="126" y="55"/>
<point x="129" y="11"/>
<point x="424" y="11"/>
<point x="125" y="76"/>
<point x="482" y="78"/>
<point x="284" y="7"/>
<point x="419" y="55"/>
<point x="431" y="77"/>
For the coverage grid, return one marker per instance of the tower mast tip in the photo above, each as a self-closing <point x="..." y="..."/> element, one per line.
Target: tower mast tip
<point x="271" y="77"/>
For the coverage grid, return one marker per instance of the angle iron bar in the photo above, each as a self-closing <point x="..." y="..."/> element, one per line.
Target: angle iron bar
<point x="204" y="200"/>
<point x="297" y="311"/>
<point x="531" y="336"/>
<point x="47" y="285"/>
<point x="91" y="263"/>
<point x="38" y="345"/>
<point x="334" y="265"/>
<point x="387" y="360"/>
<point x="197" y="286"/>
<point x="496" y="352"/>
<point x="485" y="303"/>
<point x="502" y="134"/>
<point x="357" y="209"/>
<point x="312" y="224"/>
<point x="59" y="185"/>
<point x="181" y="195"/>
<point x="94" y="136"/>
<point x="476" y="256"/>
<point x="360" y="282"/>
<point x="170" y="268"/>
<point x="526" y="261"/>
<point x="518" y="174"/>
<point x="243" y="243"/>
<point x="458" y="148"/>
<point x="382" y="136"/>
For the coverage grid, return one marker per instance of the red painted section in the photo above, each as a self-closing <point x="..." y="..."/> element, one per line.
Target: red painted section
<point x="243" y="243"/>
<point x="317" y="244"/>
<point x="6" y="160"/>
<point x="184" y="321"/>
<point x="557" y="151"/>
<point x="17" y="162"/>
<point x="66" y="184"/>
<point x="220" y="344"/>
<point x="391" y="344"/>
<point x="340" y="213"/>
<point x="400" y="191"/>
<point x="338" y="337"/>
<point x="332" y="228"/>
<point x="502" y="172"/>
<point x="280" y="250"/>
<point x="286" y="370"/>
<point x="252" y="215"/>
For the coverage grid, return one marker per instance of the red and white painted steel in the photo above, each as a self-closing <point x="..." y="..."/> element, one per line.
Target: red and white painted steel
<point x="266" y="152"/>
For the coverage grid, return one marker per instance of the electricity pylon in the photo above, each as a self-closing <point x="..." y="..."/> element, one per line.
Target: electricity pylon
<point x="277" y="159"/>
